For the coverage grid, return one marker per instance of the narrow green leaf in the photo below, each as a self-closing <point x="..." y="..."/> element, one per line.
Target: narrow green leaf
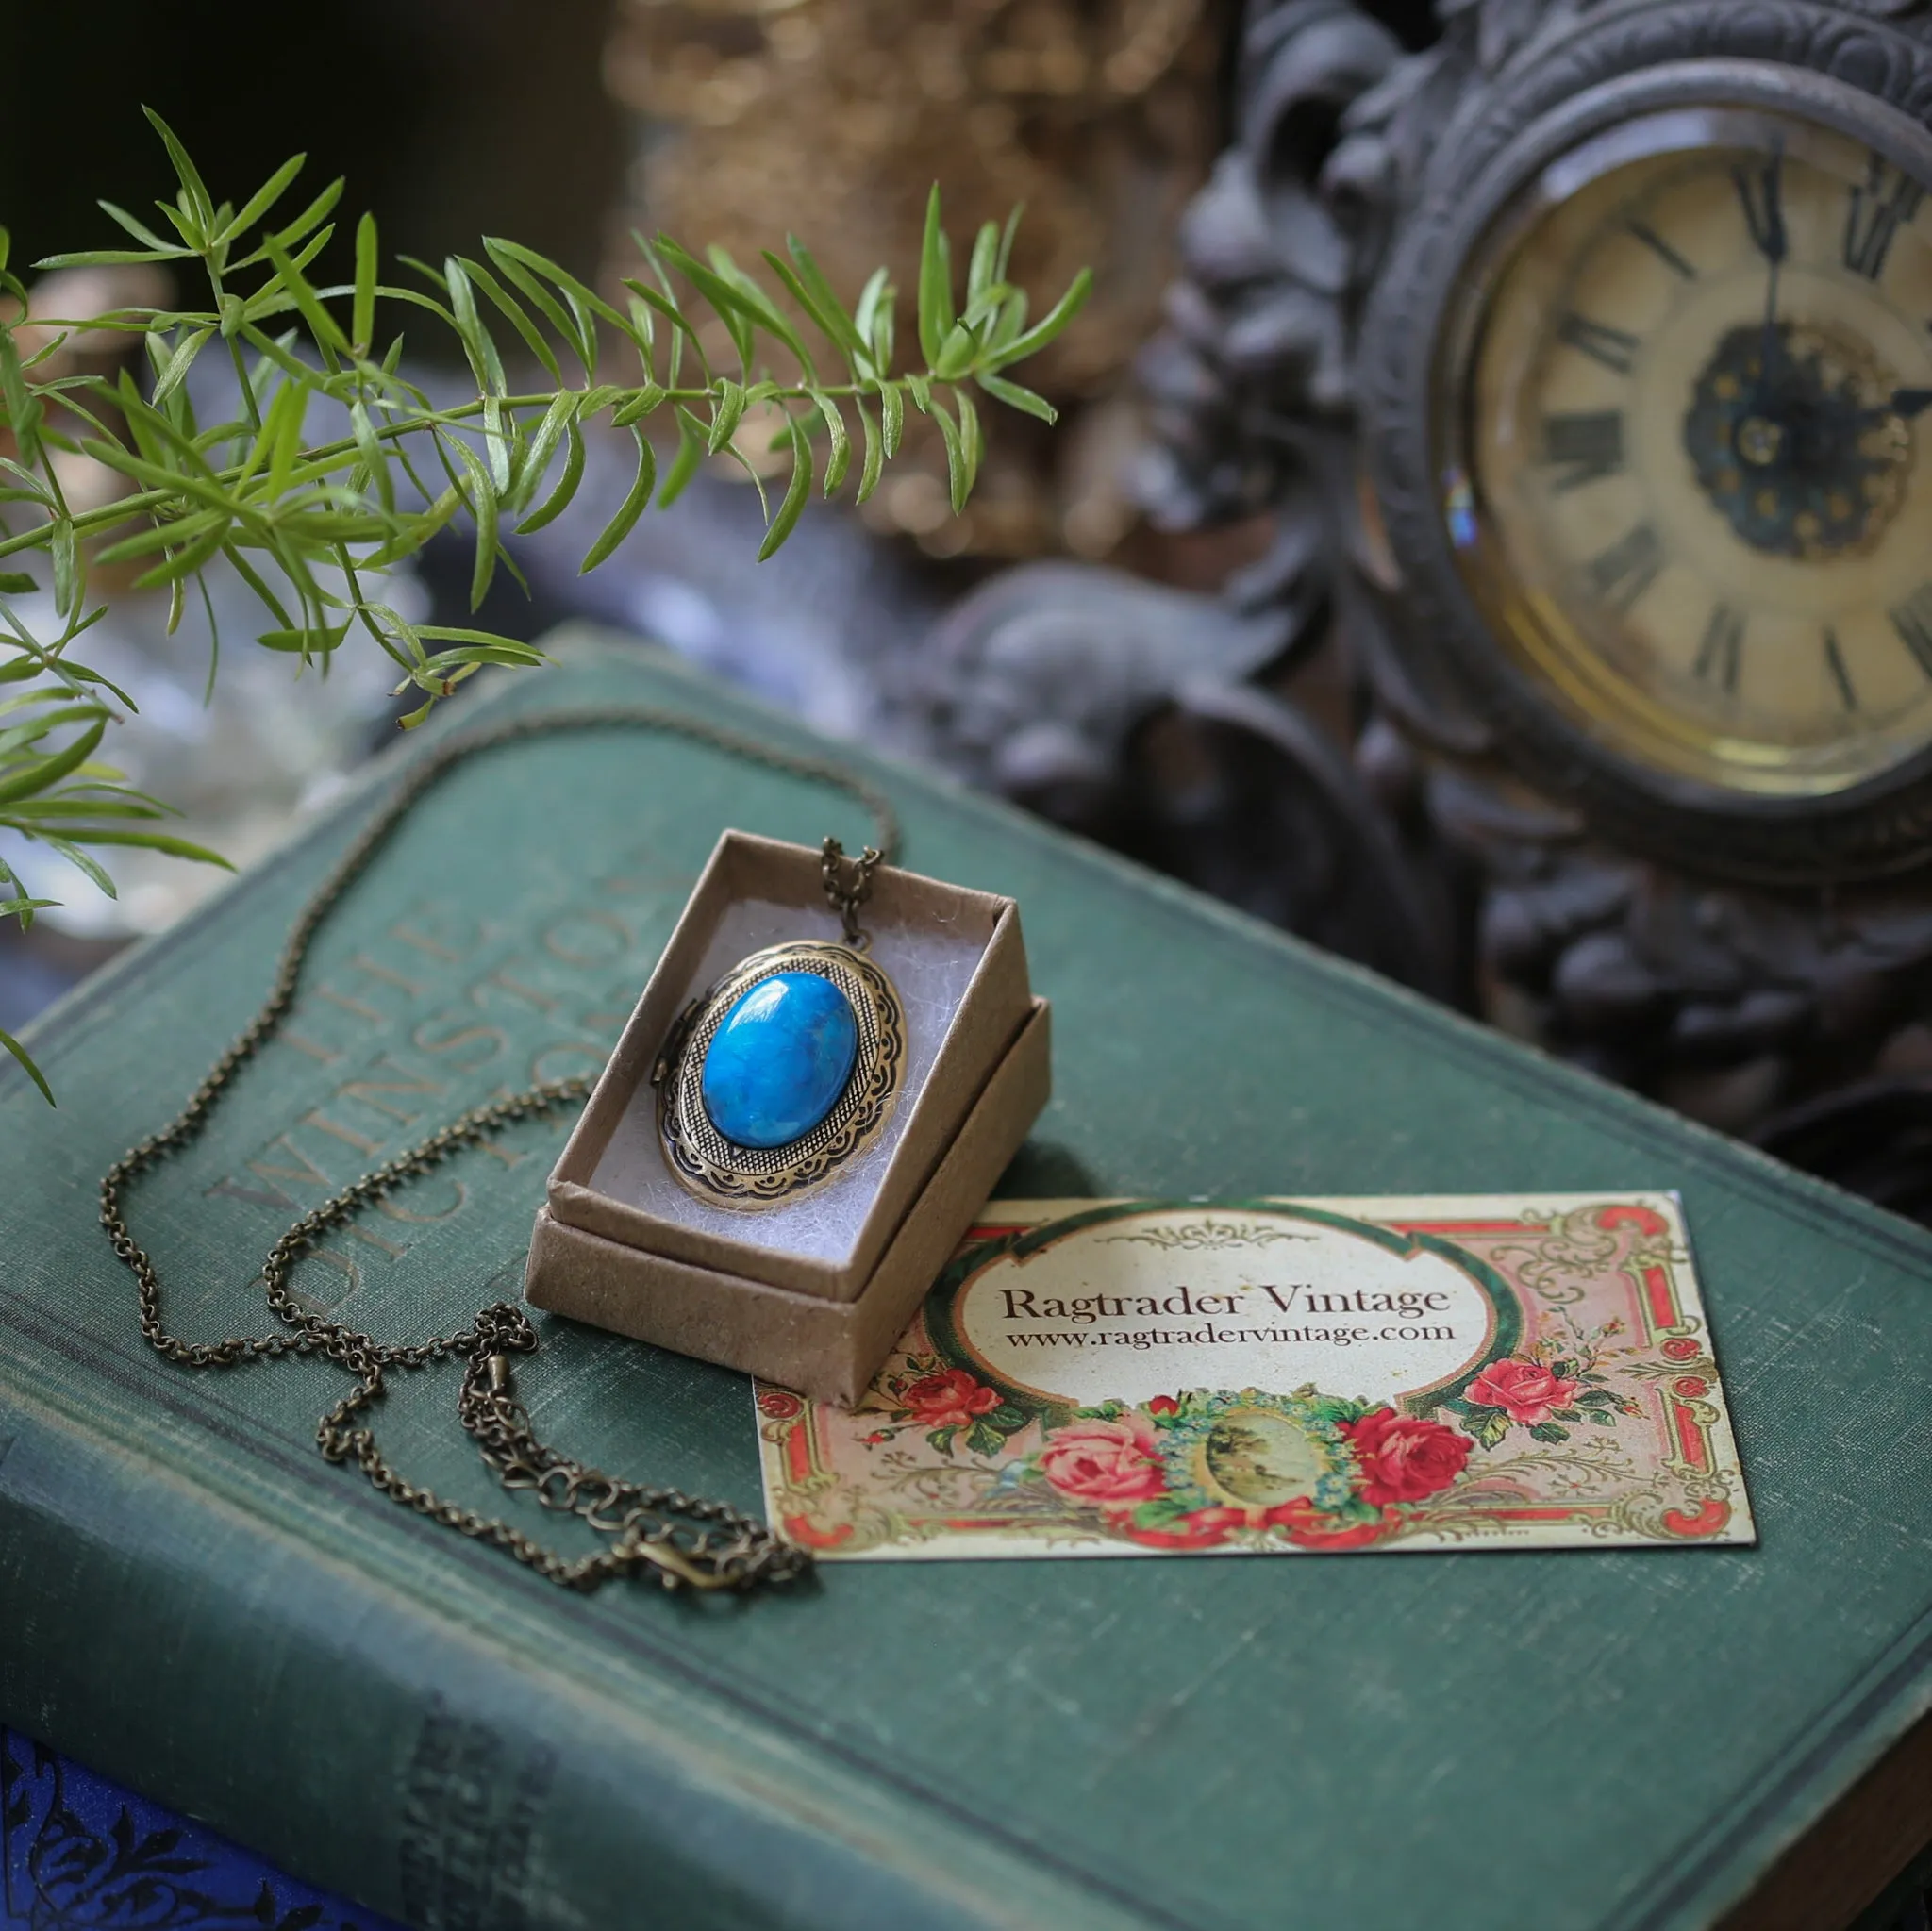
<point x="161" y="535"/>
<point x="185" y="222"/>
<point x="496" y="650"/>
<point x="370" y="451"/>
<point x="318" y="642"/>
<point x="956" y="354"/>
<point x="513" y="312"/>
<point x="184" y="563"/>
<point x="1048" y="325"/>
<point x="795" y="492"/>
<point x="416" y="530"/>
<point x="666" y="302"/>
<point x="483" y="507"/>
<point x="486" y="365"/>
<point x="840" y="327"/>
<point x="726" y="413"/>
<point x="67" y="569"/>
<point x="34" y="729"/>
<point x="632" y="507"/>
<point x="16" y="583"/>
<point x="323" y="325"/>
<point x="988" y="302"/>
<point x="758" y="304"/>
<point x="44" y="772"/>
<point x="262" y="199"/>
<point x="533" y="461"/>
<point x="877" y="293"/>
<point x="737" y="315"/>
<point x="23" y="409"/>
<point x="559" y="498"/>
<point x="161" y="841"/>
<point x="840" y="455"/>
<point x="416" y="716"/>
<point x="892" y="409"/>
<point x="111" y="258"/>
<point x="178" y="364"/>
<point x="285" y="416"/>
<point x="1004" y="260"/>
<point x="573" y="327"/>
<point x="303" y="223"/>
<point x="980" y="271"/>
<point x="1016" y="397"/>
<point x="682" y="333"/>
<point x="75" y="803"/>
<point x="446" y="633"/>
<point x="542" y="265"/>
<point x="957" y="478"/>
<point x="972" y="440"/>
<point x="935" y="283"/>
<point x="25" y="1058"/>
<point x="362" y="319"/>
<point x="640" y="406"/>
<point x="90" y="868"/>
<point x="691" y="452"/>
<point x="874" y="460"/>
<point x="140" y="231"/>
<point x="192" y="183"/>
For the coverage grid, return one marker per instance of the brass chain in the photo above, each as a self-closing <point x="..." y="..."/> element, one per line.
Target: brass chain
<point x="683" y="1540"/>
<point x="848" y="884"/>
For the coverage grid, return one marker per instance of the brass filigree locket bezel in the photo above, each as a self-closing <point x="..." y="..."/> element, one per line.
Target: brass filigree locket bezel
<point x="724" y="1173"/>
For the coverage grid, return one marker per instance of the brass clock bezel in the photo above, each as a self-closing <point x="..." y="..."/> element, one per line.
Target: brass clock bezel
<point x="1434" y="290"/>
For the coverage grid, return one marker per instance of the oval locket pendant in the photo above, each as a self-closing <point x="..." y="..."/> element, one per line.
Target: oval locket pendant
<point x="781" y="1074"/>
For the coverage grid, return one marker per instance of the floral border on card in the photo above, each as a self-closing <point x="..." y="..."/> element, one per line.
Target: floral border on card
<point x="1563" y="1431"/>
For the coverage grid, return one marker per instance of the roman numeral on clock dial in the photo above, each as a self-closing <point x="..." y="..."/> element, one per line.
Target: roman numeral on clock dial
<point x="1876" y="210"/>
<point x="1623" y="572"/>
<point x="1584" y="446"/>
<point x="1615" y="348"/>
<point x="1663" y="250"/>
<point x="1722" y="645"/>
<point x="1841" y="677"/>
<point x="1761" y="193"/>
<point x="1912" y="620"/>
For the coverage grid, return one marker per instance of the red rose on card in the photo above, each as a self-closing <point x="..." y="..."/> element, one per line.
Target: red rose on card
<point x="1402" y="1459"/>
<point x="1112" y="1464"/>
<point x="950" y="1399"/>
<point x="1526" y="1390"/>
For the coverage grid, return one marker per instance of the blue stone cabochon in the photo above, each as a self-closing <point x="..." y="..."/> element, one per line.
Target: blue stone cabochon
<point x="780" y="1059"/>
<point x="777" y="1068"/>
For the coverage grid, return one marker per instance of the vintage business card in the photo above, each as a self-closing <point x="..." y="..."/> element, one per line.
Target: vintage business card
<point x="1275" y="1377"/>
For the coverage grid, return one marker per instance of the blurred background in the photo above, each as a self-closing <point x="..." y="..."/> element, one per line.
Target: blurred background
<point x="1150" y="625"/>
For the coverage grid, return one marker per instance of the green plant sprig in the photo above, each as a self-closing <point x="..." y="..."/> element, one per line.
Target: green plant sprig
<point x="311" y="526"/>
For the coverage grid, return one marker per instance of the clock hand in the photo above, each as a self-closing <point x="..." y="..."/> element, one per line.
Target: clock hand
<point x="1763" y="199"/>
<point x="1904" y="404"/>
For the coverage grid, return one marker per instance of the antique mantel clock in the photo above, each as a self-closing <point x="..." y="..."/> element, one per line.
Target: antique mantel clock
<point x="1582" y="358"/>
<point x="1643" y="381"/>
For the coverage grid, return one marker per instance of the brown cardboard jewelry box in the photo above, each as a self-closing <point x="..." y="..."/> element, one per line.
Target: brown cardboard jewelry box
<point x="811" y="1292"/>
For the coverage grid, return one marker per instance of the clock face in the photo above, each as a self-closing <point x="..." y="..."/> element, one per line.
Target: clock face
<point x="1686" y="434"/>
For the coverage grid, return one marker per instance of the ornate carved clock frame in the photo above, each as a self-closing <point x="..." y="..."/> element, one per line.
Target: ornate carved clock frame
<point x="1762" y="962"/>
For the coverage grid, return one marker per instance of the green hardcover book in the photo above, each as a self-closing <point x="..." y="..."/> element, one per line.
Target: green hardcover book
<point x="194" y="1601"/>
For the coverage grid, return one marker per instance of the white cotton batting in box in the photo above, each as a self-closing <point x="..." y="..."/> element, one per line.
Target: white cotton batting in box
<point x="930" y="964"/>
